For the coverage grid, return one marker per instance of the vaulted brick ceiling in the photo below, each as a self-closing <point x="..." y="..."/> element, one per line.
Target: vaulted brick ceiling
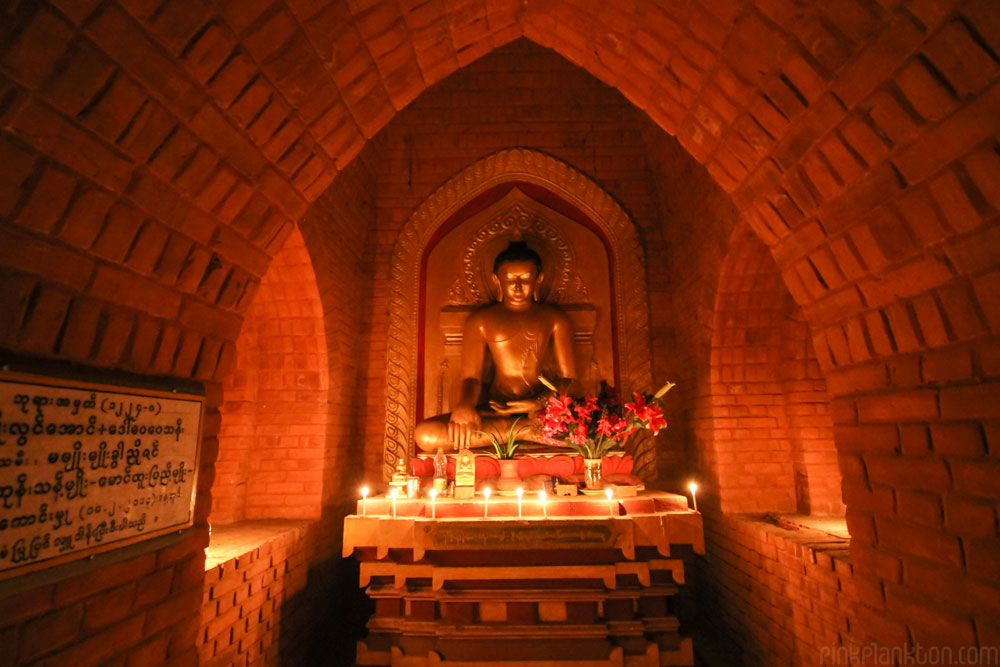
<point x="847" y="134"/>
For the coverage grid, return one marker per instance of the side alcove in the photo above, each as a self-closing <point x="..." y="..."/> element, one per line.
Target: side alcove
<point x="270" y="542"/>
<point x="771" y="443"/>
<point x="273" y="432"/>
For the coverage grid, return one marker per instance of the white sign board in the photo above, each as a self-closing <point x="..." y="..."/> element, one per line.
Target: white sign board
<point x="85" y="468"/>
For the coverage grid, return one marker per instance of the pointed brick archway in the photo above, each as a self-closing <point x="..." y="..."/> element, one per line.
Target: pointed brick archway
<point x="572" y="186"/>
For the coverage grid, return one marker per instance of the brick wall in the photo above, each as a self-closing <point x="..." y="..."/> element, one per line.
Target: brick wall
<point x="771" y="596"/>
<point x="766" y="422"/>
<point x="336" y="229"/>
<point x="242" y="601"/>
<point x="273" y="595"/>
<point x="273" y="431"/>
<point x="137" y="610"/>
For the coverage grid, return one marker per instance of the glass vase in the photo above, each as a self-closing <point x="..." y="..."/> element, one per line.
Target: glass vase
<point x="592" y="473"/>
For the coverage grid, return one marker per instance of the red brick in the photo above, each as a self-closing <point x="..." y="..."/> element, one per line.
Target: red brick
<point x="204" y="57"/>
<point x="976" y="477"/>
<point x="17" y="166"/>
<point x="982" y="168"/>
<point x="899" y="406"/>
<point x="983" y="557"/>
<point x="970" y="402"/>
<point x="57" y="264"/>
<point x="134" y="291"/>
<point x="111" y="641"/>
<point x="52" y="631"/>
<point x="25" y="604"/>
<point x="87" y="72"/>
<point x="173" y="610"/>
<point x="908" y="472"/>
<point x="52" y="134"/>
<point x="153" y="652"/>
<point x="147" y="132"/>
<point x="153" y="587"/>
<point x="955" y="52"/>
<point x="48" y="201"/>
<point x="959" y="311"/>
<point x="85" y="218"/>
<point x="964" y="440"/>
<point x="970" y="516"/>
<point x="42" y="42"/>
<point x="927" y="543"/>
<point x="123" y="40"/>
<point x="917" y="610"/>
<point x="924" y="91"/>
<point x="920" y="507"/>
<point x="43" y="320"/>
<point x="914" y="440"/>
<point x="874" y="562"/>
<point x="108" y="607"/>
<point x="112" y="113"/>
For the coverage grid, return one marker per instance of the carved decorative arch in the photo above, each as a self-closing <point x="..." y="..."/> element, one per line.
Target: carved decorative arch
<point x="628" y="269"/>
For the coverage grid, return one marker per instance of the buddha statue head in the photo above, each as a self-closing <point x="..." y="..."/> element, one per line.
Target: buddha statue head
<point x="517" y="276"/>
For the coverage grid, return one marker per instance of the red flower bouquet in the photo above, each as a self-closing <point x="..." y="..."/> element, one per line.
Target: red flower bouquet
<point x="594" y="426"/>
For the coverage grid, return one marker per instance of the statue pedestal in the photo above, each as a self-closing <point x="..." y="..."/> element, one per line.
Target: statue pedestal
<point x="584" y="582"/>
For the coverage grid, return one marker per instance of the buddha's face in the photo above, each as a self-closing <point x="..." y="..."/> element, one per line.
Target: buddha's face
<point x="518" y="283"/>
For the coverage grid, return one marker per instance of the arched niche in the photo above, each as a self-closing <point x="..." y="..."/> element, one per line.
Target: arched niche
<point x="573" y="195"/>
<point x="273" y="429"/>
<point x="768" y="445"/>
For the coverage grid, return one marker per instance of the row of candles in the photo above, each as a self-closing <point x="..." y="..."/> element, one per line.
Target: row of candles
<point x="542" y="497"/>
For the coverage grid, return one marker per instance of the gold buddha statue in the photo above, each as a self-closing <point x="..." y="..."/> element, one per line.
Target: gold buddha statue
<point x="517" y="332"/>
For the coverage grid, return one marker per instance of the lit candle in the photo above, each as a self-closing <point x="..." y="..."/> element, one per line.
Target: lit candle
<point x="541" y="499"/>
<point x="364" y="501"/>
<point x="611" y="506"/>
<point x="486" y="502"/>
<point x="520" y="495"/>
<point x="693" y="487"/>
<point x="434" y="495"/>
<point x="393" y="494"/>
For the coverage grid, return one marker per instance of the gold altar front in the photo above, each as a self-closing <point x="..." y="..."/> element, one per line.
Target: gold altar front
<point x="584" y="581"/>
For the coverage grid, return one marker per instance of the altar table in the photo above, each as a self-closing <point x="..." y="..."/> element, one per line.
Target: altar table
<point x="589" y="582"/>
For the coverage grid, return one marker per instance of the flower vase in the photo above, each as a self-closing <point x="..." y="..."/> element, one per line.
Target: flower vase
<point x="592" y="473"/>
<point x="509" y="480"/>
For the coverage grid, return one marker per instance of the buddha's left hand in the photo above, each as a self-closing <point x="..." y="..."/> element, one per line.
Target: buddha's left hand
<point x="517" y="407"/>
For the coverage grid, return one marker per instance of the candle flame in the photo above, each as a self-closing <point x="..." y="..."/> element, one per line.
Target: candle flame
<point x="364" y="491"/>
<point x="520" y="493"/>
<point x="693" y="486"/>
<point x="486" y="493"/>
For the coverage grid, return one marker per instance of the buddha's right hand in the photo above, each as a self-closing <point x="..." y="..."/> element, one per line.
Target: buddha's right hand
<point x="463" y="424"/>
